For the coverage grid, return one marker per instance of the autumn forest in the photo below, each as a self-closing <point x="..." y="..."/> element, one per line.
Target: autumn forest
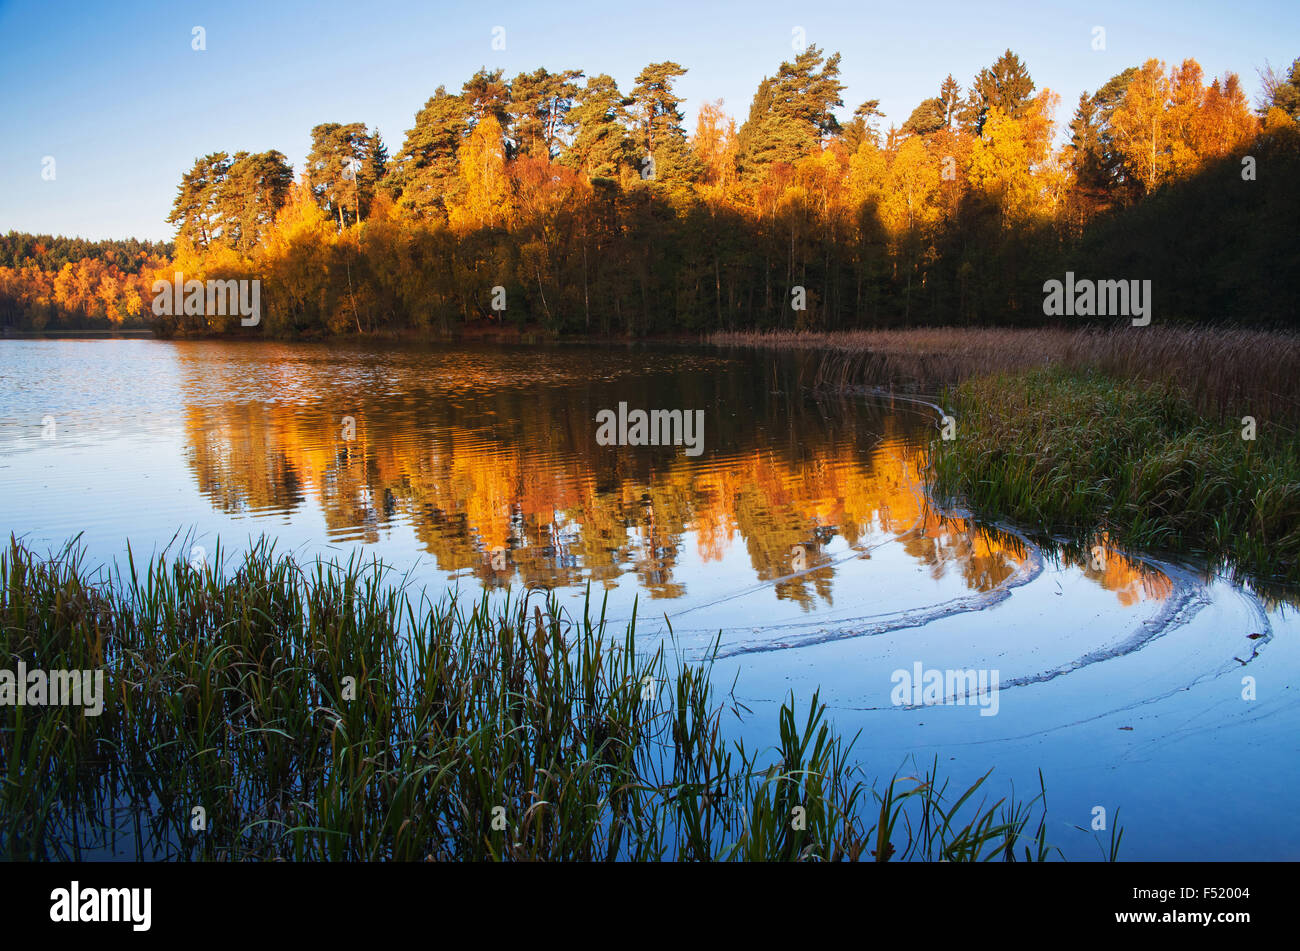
<point x="555" y="201"/>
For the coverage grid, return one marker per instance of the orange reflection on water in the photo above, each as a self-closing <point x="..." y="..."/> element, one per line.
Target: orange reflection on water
<point x="563" y="511"/>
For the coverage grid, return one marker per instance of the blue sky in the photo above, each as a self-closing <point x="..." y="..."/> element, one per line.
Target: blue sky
<point x="115" y="93"/>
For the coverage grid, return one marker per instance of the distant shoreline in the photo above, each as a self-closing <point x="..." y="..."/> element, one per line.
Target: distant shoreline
<point x="36" y="334"/>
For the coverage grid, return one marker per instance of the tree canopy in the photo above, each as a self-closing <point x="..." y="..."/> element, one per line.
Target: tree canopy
<point x="557" y="199"/>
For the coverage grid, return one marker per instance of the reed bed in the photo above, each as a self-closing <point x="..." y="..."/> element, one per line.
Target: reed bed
<point x="1223" y="372"/>
<point x="287" y="710"/>
<point x="1137" y="462"/>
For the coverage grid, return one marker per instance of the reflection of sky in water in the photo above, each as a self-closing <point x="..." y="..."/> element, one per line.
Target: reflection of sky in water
<point x="1121" y="680"/>
<point x="459" y="454"/>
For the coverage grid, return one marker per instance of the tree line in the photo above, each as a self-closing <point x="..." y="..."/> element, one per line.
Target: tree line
<point x="556" y="200"/>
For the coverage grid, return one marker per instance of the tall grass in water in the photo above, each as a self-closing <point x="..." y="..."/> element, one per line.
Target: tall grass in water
<point x="1221" y="372"/>
<point x="1084" y="454"/>
<point x="319" y="711"/>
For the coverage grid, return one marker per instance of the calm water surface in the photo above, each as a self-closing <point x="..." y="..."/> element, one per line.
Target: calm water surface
<point x="800" y="538"/>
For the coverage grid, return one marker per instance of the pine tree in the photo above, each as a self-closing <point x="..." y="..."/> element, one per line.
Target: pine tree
<point x="862" y="127"/>
<point x="375" y="165"/>
<point x="1005" y="85"/>
<point x="540" y="103"/>
<point x="196" y="210"/>
<point x="425" y="173"/>
<point x="656" y="107"/>
<point x="255" y="189"/>
<point x="487" y="93"/>
<point x="601" y="147"/>
<point x="927" y="118"/>
<point x="950" y="98"/>
<point x="341" y="170"/>
<point x="792" y="112"/>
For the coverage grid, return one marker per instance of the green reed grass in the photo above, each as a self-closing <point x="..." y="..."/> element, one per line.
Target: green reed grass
<point x="324" y="711"/>
<point x="1086" y="454"/>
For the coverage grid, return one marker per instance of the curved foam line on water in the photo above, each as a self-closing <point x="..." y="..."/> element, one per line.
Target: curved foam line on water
<point x="874" y="625"/>
<point x="1028" y="570"/>
<point x="1185" y="602"/>
<point x="1189" y="597"/>
<point x="1266" y="636"/>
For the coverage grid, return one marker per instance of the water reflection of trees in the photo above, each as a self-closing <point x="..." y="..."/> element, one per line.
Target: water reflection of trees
<point x="986" y="556"/>
<point x="517" y="472"/>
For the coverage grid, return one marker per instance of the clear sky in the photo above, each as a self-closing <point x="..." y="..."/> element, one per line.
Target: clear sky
<point x="116" y="94"/>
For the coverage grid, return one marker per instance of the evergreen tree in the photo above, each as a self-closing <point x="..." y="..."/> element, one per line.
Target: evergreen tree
<point x="425" y="173"/>
<point x="950" y="98"/>
<point x="375" y="165"/>
<point x="656" y="107"/>
<point x="1097" y="163"/>
<point x="862" y="127"/>
<point x="601" y="147"/>
<point x="255" y="189"/>
<point x="793" y="112"/>
<point x="487" y="93"/>
<point x="540" y="103"/>
<point x="342" y="169"/>
<point x="927" y="118"/>
<point x="1006" y="86"/>
<point x="196" y="210"/>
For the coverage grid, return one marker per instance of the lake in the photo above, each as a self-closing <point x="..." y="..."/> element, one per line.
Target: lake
<point x="798" y="542"/>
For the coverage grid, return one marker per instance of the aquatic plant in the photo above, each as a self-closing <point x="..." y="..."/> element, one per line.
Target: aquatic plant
<point x="326" y="710"/>
<point x="1086" y="455"/>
